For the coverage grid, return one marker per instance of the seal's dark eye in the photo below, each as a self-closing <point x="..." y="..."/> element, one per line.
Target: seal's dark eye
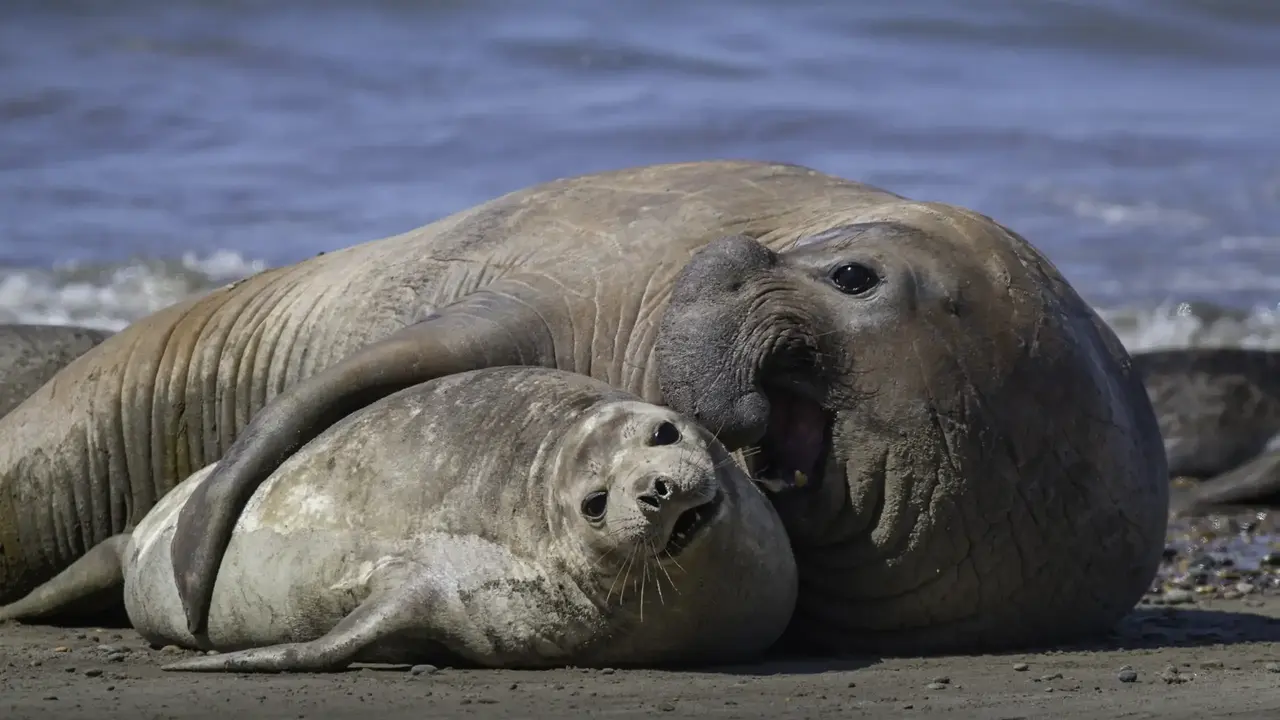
<point x="594" y="505"/>
<point x="665" y="434"/>
<point x="854" y="278"/>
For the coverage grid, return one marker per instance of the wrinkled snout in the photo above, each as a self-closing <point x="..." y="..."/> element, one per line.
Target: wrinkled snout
<point x="702" y="369"/>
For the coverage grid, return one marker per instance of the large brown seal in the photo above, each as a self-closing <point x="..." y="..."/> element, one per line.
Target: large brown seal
<point x="1219" y="415"/>
<point x="1047" y="518"/>
<point x="984" y="467"/>
<point x="31" y="354"/>
<point x="600" y="530"/>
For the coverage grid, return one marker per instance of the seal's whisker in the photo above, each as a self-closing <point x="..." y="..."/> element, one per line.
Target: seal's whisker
<point x="619" y="576"/>
<point x="657" y="579"/>
<point x="664" y="570"/>
<point x="622" y="595"/>
<point x="644" y="580"/>
<point x="673" y="559"/>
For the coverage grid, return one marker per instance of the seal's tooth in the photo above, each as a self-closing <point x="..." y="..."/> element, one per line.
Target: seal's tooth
<point x="801" y="479"/>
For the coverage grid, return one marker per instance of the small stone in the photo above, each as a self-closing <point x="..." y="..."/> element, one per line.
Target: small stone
<point x="667" y="707"/>
<point x="1212" y="665"/>
<point x="1272" y="667"/>
<point x="1244" y="588"/>
<point x="943" y="680"/>
<point x="1021" y="667"/>
<point x="37" y="663"/>
<point x="109" y="649"/>
<point x="936" y="686"/>
<point x="68" y="669"/>
<point x="81" y="636"/>
<point x="1127" y="676"/>
<point x="211" y="652"/>
<point x="1054" y="676"/>
<point x="62" y="649"/>
<point x="115" y="657"/>
<point x="423" y="669"/>
<point x="171" y="649"/>
<point x="608" y="671"/>
<point x="1178" y="597"/>
<point x="92" y="672"/>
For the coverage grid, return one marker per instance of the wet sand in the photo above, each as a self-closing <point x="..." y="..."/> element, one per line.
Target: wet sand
<point x="1204" y="644"/>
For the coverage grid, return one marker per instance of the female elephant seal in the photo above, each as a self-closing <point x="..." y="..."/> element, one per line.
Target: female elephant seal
<point x="1025" y="499"/>
<point x="595" y="530"/>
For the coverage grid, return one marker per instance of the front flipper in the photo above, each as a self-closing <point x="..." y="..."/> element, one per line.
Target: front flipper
<point x="486" y="329"/>
<point x="383" y="614"/>
<point x="95" y="579"/>
<point x="1255" y="484"/>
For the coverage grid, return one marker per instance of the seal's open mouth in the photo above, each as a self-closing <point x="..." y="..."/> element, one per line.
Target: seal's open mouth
<point x="794" y="449"/>
<point x="690" y="524"/>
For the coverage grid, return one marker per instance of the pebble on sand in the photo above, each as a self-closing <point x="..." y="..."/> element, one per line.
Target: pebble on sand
<point x="1127" y="675"/>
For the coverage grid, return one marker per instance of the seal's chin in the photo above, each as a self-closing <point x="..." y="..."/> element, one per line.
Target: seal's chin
<point x="691" y="524"/>
<point x="793" y="452"/>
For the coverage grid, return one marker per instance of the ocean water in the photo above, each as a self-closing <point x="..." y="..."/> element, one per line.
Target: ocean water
<point x="155" y="149"/>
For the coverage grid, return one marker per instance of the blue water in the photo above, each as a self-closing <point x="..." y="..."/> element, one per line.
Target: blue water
<point x="150" y="149"/>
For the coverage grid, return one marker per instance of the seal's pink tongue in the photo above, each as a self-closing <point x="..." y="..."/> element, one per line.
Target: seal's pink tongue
<point x="793" y="442"/>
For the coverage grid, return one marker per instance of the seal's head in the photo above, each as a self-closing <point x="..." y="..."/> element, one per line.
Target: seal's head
<point x="980" y="466"/>
<point x="664" y="530"/>
<point x="649" y="483"/>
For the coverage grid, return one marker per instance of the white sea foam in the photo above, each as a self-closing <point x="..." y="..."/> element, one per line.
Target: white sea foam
<point x="112" y="296"/>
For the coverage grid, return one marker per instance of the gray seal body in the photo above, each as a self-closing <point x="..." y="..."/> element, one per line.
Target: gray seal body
<point x="1219" y="414"/>
<point x="594" y="529"/>
<point x="32" y="354"/>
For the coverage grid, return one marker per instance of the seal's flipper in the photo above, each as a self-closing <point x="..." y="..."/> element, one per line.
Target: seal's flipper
<point x="382" y="615"/>
<point x="1254" y="484"/>
<point x="489" y="328"/>
<point x="97" y="574"/>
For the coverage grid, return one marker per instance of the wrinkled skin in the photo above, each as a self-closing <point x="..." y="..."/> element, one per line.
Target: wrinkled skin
<point x="571" y="274"/>
<point x="576" y="274"/>
<point x="983" y="467"/>
<point x="603" y="531"/>
<point x="1219" y="414"/>
<point x="31" y="354"/>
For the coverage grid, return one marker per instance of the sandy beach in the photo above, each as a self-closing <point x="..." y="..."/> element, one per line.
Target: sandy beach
<point x="1204" y="644"/>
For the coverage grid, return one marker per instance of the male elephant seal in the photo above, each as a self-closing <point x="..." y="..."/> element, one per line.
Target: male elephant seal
<point x="595" y="530"/>
<point x="1219" y="414"/>
<point x="1046" y="519"/>
<point x="31" y="354"/>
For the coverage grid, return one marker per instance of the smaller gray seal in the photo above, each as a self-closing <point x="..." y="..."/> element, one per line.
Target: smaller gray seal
<point x="1219" y="415"/>
<point x="508" y="517"/>
<point x="32" y="354"/>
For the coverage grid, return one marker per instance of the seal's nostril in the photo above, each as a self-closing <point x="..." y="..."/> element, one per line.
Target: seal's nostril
<point x="651" y="501"/>
<point x="662" y="488"/>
